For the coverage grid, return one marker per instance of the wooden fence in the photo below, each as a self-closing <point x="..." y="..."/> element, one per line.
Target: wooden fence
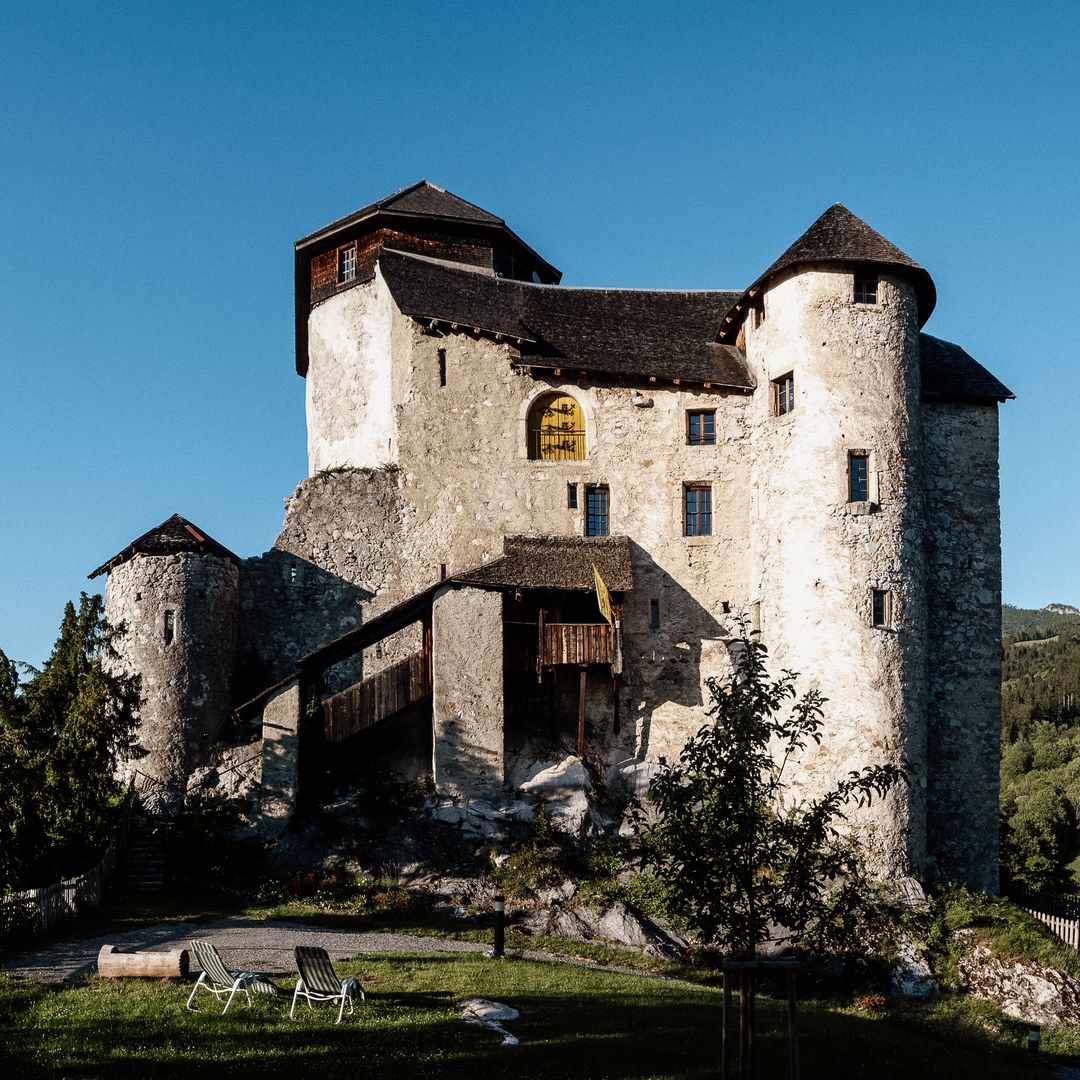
<point x="33" y="911"/>
<point x="381" y="696"/>
<point x="1060" y="914"/>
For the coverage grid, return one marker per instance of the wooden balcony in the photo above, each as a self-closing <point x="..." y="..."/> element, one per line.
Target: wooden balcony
<point x="534" y="646"/>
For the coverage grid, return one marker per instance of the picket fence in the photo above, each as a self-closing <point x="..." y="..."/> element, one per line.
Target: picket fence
<point x="33" y="911"/>
<point x="1059" y="914"/>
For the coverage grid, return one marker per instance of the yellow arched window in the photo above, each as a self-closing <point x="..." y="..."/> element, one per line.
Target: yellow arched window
<point x="556" y="429"/>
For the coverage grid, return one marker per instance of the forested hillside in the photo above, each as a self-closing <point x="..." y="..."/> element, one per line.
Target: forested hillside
<point x="1040" y="749"/>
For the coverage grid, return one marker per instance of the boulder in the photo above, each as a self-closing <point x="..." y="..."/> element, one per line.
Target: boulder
<point x="910" y="975"/>
<point x="564" y="789"/>
<point x="1020" y="988"/>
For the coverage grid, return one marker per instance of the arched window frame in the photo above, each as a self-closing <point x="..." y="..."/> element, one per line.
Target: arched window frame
<point x="575" y="443"/>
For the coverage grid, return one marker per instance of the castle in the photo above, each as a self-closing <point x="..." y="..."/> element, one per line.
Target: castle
<point x="491" y="454"/>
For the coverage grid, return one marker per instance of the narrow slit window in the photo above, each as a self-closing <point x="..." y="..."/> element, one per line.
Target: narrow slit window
<point x="858" y="476"/>
<point x="442" y="367"/>
<point x="442" y="571"/>
<point x="170" y="627"/>
<point x="783" y="391"/>
<point x="597" y="507"/>
<point x="347" y="264"/>
<point x="701" y="427"/>
<point x="866" y="288"/>
<point x="654" y="614"/>
<point x="571" y="496"/>
<point x="882" y="609"/>
<point x="697" y="507"/>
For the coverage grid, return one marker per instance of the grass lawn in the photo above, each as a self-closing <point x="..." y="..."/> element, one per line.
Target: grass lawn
<point x="574" y="1022"/>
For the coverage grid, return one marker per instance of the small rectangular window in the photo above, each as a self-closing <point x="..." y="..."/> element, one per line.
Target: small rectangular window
<point x="442" y="367"/>
<point x="654" y="614"/>
<point x="697" y="507"/>
<point x="442" y="571"/>
<point x="571" y="496"/>
<point x="759" y="312"/>
<point x="596" y="511"/>
<point x="882" y="609"/>
<point x="865" y="289"/>
<point x="701" y="427"/>
<point x="858" y="476"/>
<point x="170" y="627"/>
<point x="346" y="264"/>
<point x="783" y="391"/>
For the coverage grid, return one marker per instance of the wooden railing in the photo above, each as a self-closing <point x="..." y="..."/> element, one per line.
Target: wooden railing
<point x="577" y="643"/>
<point x="1059" y="914"/>
<point x="33" y="911"/>
<point x="377" y="698"/>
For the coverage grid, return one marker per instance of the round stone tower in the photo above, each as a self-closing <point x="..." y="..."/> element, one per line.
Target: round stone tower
<point x="175" y="592"/>
<point x="831" y="332"/>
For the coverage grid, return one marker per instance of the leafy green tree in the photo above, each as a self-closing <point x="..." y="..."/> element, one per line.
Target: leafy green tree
<point x="62" y="733"/>
<point x="737" y="858"/>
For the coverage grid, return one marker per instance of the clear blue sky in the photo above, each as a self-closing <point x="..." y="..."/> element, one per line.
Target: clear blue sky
<point x="158" y="160"/>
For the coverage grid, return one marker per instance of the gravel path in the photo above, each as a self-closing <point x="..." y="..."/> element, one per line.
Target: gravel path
<point x="250" y="944"/>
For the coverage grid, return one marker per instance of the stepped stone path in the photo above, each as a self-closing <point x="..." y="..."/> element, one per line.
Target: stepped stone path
<point x="262" y="945"/>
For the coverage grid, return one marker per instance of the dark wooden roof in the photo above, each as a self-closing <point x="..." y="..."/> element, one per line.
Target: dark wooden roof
<point x="639" y="333"/>
<point x="838" y="236"/>
<point x="556" y="562"/>
<point x="950" y="374"/>
<point x="422" y="199"/>
<point x="174" y="535"/>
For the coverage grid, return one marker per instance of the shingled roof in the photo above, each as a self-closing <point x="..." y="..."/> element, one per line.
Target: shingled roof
<point x="172" y="536"/>
<point x="838" y="236"/>
<point x="557" y="562"/>
<point x="641" y="333"/>
<point x="422" y="199"/>
<point x="950" y="374"/>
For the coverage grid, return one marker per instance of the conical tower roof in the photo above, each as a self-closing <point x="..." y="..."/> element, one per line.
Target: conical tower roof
<point x="838" y="236"/>
<point x="173" y="535"/>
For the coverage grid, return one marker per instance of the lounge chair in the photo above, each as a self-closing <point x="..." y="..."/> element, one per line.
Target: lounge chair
<point x="319" y="982"/>
<point x="220" y="981"/>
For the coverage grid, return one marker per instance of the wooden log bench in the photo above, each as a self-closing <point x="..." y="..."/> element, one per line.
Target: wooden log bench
<point x="114" y="964"/>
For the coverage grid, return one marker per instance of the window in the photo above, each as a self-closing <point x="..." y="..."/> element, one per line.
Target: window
<point x="759" y="312"/>
<point x="346" y="264"/>
<point x="858" y="476"/>
<point x="697" y="510"/>
<point x="701" y="427"/>
<point x="170" y="627"/>
<point x="865" y="289"/>
<point x="442" y="367"/>
<point x="783" y="391"/>
<point x="654" y="614"/>
<point x="442" y="571"/>
<point x="556" y="429"/>
<point x="882" y="609"/>
<point x="571" y="496"/>
<point x="596" y="511"/>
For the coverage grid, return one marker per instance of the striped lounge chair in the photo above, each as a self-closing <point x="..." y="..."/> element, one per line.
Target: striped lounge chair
<point x="220" y="981"/>
<point x="319" y="982"/>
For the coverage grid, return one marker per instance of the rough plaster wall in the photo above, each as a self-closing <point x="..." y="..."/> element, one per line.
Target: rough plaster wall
<point x="857" y="388"/>
<point x="964" y="564"/>
<point x="186" y="685"/>
<point x="465" y="481"/>
<point x="467" y="701"/>
<point x="348" y="380"/>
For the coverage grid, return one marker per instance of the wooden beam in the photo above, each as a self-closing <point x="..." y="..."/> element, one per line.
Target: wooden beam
<point x="581" y="715"/>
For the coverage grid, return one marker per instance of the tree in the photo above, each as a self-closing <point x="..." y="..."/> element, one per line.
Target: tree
<point x="62" y="733"/>
<point x="737" y="859"/>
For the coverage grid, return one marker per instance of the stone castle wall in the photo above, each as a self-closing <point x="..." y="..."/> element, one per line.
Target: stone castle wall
<point x="180" y="614"/>
<point x="964" y="587"/>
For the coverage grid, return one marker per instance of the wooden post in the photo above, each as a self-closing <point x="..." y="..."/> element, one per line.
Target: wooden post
<point x="113" y="964"/>
<point x="581" y="716"/>
<point x="745" y="1063"/>
<point x="792" y="1030"/>
<point x="724" y="1031"/>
